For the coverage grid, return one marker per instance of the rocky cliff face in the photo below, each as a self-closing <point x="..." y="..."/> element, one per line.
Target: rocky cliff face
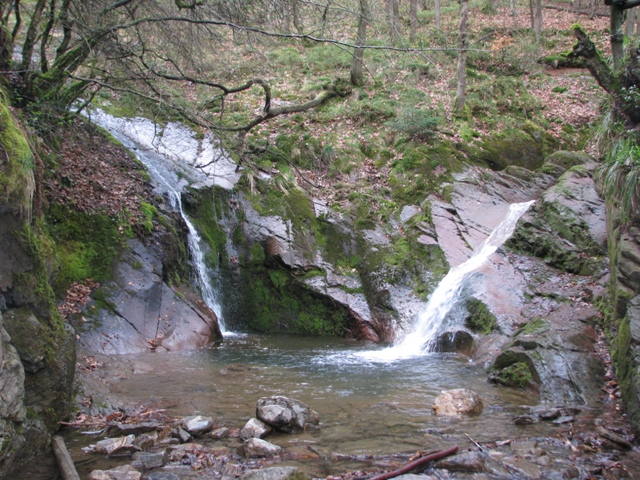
<point x="624" y="318"/>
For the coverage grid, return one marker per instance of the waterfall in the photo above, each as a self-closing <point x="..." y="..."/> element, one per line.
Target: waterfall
<point x="131" y="134"/>
<point x="425" y="332"/>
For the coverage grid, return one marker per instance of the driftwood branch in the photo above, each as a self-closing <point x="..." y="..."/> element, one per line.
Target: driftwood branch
<point x="65" y="464"/>
<point x="416" y="463"/>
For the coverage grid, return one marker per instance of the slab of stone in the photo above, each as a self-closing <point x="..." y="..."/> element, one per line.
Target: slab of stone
<point x="133" y="428"/>
<point x="115" y="447"/>
<point x="255" y="447"/>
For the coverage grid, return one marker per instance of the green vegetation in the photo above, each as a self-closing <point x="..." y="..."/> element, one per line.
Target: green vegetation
<point x="87" y="245"/>
<point x="534" y="325"/>
<point x="480" y="318"/>
<point x="17" y="183"/>
<point x="515" y="375"/>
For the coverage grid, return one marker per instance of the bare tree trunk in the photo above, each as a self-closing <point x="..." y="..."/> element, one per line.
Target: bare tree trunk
<point x="393" y="19"/>
<point x="538" y="20"/>
<point x="631" y="21"/>
<point x="357" y="77"/>
<point x="592" y="9"/>
<point x="437" y="8"/>
<point x="413" y="20"/>
<point x="462" y="56"/>
<point x="532" y="15"/>
<point x="32" y="35"/>
<point x="617" y="37"/>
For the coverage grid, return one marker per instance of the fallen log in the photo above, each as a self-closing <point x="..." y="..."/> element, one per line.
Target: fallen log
<point x="65" y="464"/>
<point x="416" y="463"/>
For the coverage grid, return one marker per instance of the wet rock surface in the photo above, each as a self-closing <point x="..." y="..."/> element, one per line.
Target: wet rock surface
<point x="286" y="414"/>
<point x="145" y="313"/>
<point x="458" y="401"/>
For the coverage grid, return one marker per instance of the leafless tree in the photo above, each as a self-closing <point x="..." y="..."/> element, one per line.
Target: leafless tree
<point x="463" y="37"/>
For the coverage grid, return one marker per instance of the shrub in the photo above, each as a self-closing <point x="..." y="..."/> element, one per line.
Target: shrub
<point x="416" y="123"/>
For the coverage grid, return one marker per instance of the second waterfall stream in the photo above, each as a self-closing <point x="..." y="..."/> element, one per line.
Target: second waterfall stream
<point x="424" y="333"/>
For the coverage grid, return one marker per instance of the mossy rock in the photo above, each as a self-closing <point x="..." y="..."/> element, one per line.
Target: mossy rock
<point x="480" y="318"/>
<point x="17" y="183"/>
<point x="87" y="245"/>
<point x="564" y="160"/>
<point x="513" y="368"/>
<point x="525" y="146"/>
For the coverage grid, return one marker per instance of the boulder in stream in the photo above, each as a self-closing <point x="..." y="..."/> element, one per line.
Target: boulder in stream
<point x="197" y="424"/>
<point x="286" y="414"/>
<point x="255" y="428"/>
<point x="457" y="401"/>
<point x="123" y="472"/>
<point x="115" y="447"/>
<point x="255" y="447"/>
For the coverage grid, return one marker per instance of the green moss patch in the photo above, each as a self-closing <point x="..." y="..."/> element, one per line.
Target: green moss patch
<point x="16" y="162"/>
<point x="480" y="318"/>
<point x="87" y="245"/>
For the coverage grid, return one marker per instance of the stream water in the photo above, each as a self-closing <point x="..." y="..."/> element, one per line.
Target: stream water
<point x="366" y="408"/>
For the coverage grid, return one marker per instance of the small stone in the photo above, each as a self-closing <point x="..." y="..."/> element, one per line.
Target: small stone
<point x="124" y="472"/>
<point x="254" y="428"/>
<point x="197" y="424"/>
<point x="161" y="476"/>
<point x="561" y="420"/>
<point x="458" y="401"/>
<point x="232" y="470"/>
<point x="114" y="447"/>
<point x="524" y="420"/>
<point x="255" y="447"/>
<point x="470" y="462"/>
<point x="178" y="452"/>
<point x="275" y="473"/>
<point x="571" y="472"/>
<point x="181" y="435"/>
<point x="220" y="433"/>
<point x="148" y="460"/>
<point x="146" y="441"/>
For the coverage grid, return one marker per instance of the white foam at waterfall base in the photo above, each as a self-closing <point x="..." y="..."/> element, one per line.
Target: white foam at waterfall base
<point x="428" y="325"/>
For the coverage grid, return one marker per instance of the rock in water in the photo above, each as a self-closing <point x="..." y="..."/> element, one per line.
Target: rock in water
<point x="254" y="447"/>
<point x="457" y="401"/>
<point x="286" y="414"/>
<point x="254" y="428"/>
<point x="114" y="447"/>
<point x="197" y="425"/>
<point x="124" y="472"/>
<point x="275" y="473"/>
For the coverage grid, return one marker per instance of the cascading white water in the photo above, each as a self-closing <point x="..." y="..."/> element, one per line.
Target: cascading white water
<point x="427" y="327"/>
<point x="129" y="133"/>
